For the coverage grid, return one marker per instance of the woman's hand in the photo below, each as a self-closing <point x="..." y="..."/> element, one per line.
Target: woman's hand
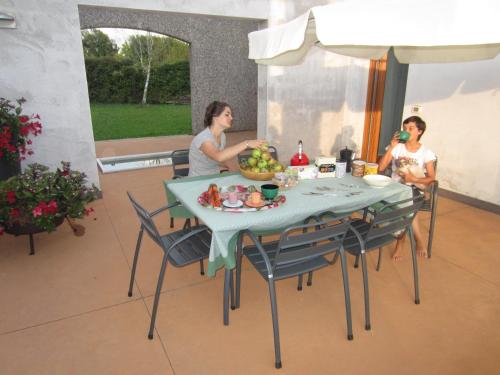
<point x="255" y="143"/>
<point x="394" y="140"/>
<point x="408" y="177"/>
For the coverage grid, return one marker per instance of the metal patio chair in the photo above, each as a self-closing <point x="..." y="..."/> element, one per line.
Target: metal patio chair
<point x="429" y="205"/>
<point x="180" y="248"/>
<point x="180" y="166"/>
<point x="294" y="254"/>
<point x="381" y="227"/>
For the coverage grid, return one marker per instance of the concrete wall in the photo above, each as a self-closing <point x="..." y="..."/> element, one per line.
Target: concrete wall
<point x="219" y="67"/>
<point x="320" y="101"/>
<point x="42" y="60"/>
<point x="461" y="105"/>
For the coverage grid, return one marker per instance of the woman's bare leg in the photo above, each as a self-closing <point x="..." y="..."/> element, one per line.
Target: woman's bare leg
<point x="421" y="249"/>
<point x="398" y="251"/>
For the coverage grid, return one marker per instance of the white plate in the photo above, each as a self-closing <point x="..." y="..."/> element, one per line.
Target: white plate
<point x="238" y="203"/>
<point x="377" y="180"/>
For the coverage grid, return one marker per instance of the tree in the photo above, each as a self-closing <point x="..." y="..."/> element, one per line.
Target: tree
<point x="166" y="50"/>
<point x="97" y="44"/>
<point x="142" y="51"/>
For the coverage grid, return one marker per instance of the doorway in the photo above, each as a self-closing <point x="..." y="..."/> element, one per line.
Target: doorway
<point x="384" y="104"/>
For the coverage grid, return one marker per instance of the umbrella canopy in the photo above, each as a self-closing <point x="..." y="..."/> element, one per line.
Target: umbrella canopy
<point x="420" y="31"/>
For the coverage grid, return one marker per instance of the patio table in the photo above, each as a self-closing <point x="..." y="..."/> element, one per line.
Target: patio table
<point x="341" y="195"/>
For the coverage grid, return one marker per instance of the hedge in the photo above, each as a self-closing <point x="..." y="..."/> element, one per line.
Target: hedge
<point x="118" y="80"/>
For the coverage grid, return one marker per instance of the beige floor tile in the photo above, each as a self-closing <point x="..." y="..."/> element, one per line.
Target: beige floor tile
<point x="66" y="311"/>
<point x="68" y="275"/>
<point x="108" y="341"/>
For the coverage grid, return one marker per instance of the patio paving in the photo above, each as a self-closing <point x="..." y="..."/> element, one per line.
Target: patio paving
<point x="66" y="310"/>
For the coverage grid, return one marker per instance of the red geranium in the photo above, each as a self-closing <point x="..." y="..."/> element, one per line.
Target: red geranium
<point x="42" y="198"/>
<point x="15" y="129"/>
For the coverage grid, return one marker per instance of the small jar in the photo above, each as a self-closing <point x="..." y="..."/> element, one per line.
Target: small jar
<point x="358" y="168"/>
<point x="371" y="168"/>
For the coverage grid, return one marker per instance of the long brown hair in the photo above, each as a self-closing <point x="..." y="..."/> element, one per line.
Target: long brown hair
<point x="214" y="109"/>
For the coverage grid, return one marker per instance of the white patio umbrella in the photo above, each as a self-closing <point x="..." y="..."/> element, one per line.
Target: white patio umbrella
<point x="420" y="31"/>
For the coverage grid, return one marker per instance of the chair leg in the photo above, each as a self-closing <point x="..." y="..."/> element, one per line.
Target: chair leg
<point x="356" y="262"/>
<point x="274" y="312"/>
<point x="202" y="267"/>
<point x="310" y="278"/>
<point x="157" y="296"/>
<point x="299" y="284"/>
<point x="335" y="257"/>
<point x="225" y="302"/>
<point x="134" y="263"/>
<point x="231" y="290"/>
<point x="171" y="222"/>
<point x="366" y="291"/>
<point x="347" y="295"/>
<point x="239" y="259"/>
<point x="379" y="258"/>
<point x="187" y="224"/>
<point x="196" y="221"/>
<point x="415" y="265"/>
<point x="431" y="229"/>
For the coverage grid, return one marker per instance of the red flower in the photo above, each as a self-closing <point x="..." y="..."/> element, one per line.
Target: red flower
<point x="37" y="211"/>
<point x="23" y="119"/>
<point x="88" y="211"/>
<point x="14" y="213"/>
<point x="51" y="208"/>
<point x="11" y="197"/>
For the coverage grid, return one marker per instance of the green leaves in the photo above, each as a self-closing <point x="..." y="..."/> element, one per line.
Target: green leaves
<point x="43" y="197"/>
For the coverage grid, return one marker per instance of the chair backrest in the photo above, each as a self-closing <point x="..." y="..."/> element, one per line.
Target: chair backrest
<point x="180" y="163"/>
<point x="393" y="217"/>
<point x="296" y="248"/>
<point x="146" y="221"/>
<point x="247" y="153"/>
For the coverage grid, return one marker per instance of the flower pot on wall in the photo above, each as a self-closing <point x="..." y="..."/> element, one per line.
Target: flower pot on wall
<point x="9" y="168"/>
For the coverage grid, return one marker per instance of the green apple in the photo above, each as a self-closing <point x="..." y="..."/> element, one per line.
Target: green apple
<point x="252" y="162"/>
<point x="262" y="164"/>
<point x="256" y="153"/>
<point x="278" y="168"/>
<point x="256" y="169"/>
<point x="266" y="156"/>
<point x="271" y="162"/>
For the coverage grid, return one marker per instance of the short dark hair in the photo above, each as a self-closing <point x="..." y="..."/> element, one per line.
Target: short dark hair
<point x="420" y="124"/>
<point x="214" y="109"/>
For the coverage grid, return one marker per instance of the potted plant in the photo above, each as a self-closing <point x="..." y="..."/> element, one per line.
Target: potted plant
<point x="15" y="131"/>
<point x="39" y="200"/>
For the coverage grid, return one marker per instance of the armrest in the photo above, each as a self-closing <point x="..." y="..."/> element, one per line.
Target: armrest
<point x="259" y="247"/>
<point x="164" y="208"/>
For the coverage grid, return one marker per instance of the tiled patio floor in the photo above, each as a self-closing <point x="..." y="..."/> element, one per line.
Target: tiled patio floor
<point x="66" y="311"/>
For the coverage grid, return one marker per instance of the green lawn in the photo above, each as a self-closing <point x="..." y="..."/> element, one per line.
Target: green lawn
<point x="118" y="121"/>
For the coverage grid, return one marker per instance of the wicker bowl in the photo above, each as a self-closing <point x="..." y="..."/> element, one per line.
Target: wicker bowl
<point x="266" y="176"/>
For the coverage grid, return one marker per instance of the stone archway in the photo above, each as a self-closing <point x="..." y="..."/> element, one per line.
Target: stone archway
<point x="219" y="67"/>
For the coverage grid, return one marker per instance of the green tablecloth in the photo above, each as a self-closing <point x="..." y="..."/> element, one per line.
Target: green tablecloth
<point x="346" y="195"/>
<point x="181" y="211"/>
